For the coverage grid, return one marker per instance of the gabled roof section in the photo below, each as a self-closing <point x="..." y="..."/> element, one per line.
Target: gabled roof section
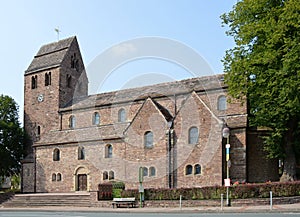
<point x="50" y="55"/>
<point x="197" y="97"/>
<point x="162" y="111"/>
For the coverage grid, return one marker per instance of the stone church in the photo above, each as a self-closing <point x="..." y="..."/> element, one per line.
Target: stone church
<point x="172" y="130"/>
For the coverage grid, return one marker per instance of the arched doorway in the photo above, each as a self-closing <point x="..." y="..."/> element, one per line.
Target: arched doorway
<point x="81" y="179"/>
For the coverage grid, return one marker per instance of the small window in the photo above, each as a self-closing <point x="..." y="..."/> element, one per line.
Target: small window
<point x="111" y="175"/>
<point x="58" y="177"/>
<point x="96" y="118"/>
<point x="69" y="81"/>
<point x="108" y="151"/>
<point x="105" y="175"/>
<point x="34" y="82"/>
<point x="56" y="155"/>
<point x="188" y="170"/>
<point x="197" y="169"/>
<point x="53" y="177"/>
<point x="38" y="131"/>
<point x="152" y="171"/>
<point x="222" y="104"/>
<point x="193" y="135"/>
<point x="145" y="171"/>
<point x="148" y="139"/>
<point x="48" y="79"/>
<point x="72" y="122"/>
<point x="81" y="153"/>
<point x="122" y="115"/>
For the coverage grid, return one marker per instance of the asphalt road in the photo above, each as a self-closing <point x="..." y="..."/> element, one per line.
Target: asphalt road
<point x="105" y="214"/>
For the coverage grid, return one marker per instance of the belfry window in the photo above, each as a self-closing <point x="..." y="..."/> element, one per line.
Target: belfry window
<point x="69" y="81"/>
<point x="48" y="79"/>
<point x="34" y="82"/>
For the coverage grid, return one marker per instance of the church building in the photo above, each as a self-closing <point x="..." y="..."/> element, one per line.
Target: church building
<point x="172" y="130"/>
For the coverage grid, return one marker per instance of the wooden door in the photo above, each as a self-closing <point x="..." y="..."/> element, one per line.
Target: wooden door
<point x="82" y="182"/>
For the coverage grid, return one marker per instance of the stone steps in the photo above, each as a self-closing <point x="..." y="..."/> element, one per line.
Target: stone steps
<point x="39" y="200"/>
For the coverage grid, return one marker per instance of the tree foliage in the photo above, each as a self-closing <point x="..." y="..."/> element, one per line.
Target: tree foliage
<point x="11" y="137"/>
<point x="264" y="67"/>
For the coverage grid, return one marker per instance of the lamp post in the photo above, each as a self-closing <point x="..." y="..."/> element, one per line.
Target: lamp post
<point x="226" y="134"/>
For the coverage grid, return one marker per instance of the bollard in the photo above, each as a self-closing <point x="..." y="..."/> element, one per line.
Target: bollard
<point x="180" y="202"/>
<point x="271" y="200"/>
<point x="222" y="201"/>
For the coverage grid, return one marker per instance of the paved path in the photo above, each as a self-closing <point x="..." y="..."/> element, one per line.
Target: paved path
<point x="284" y="208"/>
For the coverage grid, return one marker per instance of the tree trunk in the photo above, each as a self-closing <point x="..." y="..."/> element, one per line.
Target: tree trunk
<point x="289" y="165"/>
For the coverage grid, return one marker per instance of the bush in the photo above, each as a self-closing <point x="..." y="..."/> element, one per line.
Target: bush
<point x="238" y="191"/>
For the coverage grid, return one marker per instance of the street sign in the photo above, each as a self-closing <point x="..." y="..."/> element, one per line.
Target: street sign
<point x="227" y="182"/>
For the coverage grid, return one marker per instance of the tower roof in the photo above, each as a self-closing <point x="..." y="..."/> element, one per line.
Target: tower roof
<point x="50" y="55"/>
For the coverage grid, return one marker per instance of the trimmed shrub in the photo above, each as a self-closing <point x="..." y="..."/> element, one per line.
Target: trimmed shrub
<point x="238" y="191"/>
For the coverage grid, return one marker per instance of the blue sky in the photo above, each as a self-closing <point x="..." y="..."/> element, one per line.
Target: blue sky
<point x="99" y="25"/>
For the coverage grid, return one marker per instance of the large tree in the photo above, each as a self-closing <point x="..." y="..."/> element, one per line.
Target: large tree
<point x="11" y="137"/>
<point x="264" y="68"/>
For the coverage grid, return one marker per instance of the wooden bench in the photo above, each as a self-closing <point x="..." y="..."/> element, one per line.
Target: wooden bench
<point x="128" y="201"/>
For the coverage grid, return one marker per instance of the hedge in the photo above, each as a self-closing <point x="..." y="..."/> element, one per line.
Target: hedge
<point x="237" y="191"/>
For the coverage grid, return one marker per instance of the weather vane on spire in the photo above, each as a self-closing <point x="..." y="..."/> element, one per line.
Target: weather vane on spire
<point x="57" y="32"/>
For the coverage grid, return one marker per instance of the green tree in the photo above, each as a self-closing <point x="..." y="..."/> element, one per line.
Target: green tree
<point x="11" y="137"/>
<point x="264" y="68"/>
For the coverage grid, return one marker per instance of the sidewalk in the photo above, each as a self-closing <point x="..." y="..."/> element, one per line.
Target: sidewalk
<point x="284" y="208"/>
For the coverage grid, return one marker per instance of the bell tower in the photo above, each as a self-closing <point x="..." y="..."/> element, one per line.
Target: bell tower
<point x="55" y="76"/>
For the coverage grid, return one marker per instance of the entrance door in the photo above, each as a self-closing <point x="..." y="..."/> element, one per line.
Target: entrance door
<point x="82" y="182"/>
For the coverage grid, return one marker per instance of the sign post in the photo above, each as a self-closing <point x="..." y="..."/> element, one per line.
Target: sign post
<point x="141" y="188"/>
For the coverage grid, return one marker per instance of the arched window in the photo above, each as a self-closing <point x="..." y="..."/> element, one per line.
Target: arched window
<point x="152" y="171"/>
<point x="188" y="170"/>
<point x="48" y="79"/>
<point x="148" y="139"/>
<point x="193" y="135"/>
<point x="58" y="177"/>
<point x="96" y="118"/>
<point x="81" y="153"/>
<point x="108" y="151"/>
<point x="105" y="175"/>
<point x="56" y="155"/>
<point x="197" y="169"/>
<point x="222" y="104"/>
<point x="34" y="82"/>
<point x="53" y="177"/>
<point x="121" y="115"/>
<point x="145" y="171"/>
<point x="111" y="175"/>
<point x="72" y="122"/>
